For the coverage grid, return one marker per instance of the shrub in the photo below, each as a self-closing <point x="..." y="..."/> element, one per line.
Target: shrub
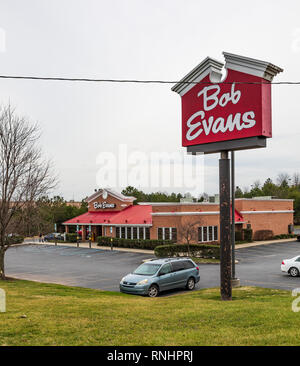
<point x="196" y="250"/>
<point x="71" y="237"/>
<point x="14" y="239"/>
<point x="238" y="236"/>
<point x="131" y="243"/>
<point x="284" y="236"/>
<point x="263" y="234"/>
<point x="247" y="234"/>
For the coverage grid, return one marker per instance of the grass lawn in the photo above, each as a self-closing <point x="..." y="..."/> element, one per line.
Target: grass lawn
<point x="205" y="260"/>
<point x="60" y="315"/>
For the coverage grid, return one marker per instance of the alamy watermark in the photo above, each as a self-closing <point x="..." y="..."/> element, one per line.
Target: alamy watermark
<point x="151" y="170"/>
<point x="295" y="306"/>
<point x="2" y="301"/>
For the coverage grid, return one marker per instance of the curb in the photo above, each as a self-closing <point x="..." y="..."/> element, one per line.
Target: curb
<point x="73" y="245"/>
<point x="268" y="242"/>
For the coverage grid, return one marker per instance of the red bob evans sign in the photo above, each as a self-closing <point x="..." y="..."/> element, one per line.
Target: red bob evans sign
<point x="237" y="107"/>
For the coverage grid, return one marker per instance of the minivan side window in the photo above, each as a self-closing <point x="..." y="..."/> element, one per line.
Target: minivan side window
<point x="165" y="269"/>
<point x="177" y="266"/>
<point x="188" y="264"/>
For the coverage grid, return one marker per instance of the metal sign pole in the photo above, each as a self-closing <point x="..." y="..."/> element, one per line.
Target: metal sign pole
<point x="232" y="214"/>
<point x="234" y="281"/>
<point x="225" y="265"/>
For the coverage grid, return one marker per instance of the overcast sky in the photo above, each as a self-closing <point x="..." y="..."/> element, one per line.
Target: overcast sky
<point x="139" y="39"/>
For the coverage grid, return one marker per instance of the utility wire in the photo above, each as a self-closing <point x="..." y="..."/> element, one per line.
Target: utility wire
<point x="141" y="81"/>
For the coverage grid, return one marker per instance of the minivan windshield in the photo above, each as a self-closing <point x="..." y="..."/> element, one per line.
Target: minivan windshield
<point x="147" y="269"/>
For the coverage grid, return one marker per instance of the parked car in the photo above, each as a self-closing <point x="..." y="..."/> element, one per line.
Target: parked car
<point x="291" y="266"/>
<point x="155" y="276"/>
<point x="298" y="237"/>
<point x="53" y="236"/>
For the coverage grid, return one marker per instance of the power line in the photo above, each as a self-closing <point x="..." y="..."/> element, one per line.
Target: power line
<point x="44" y="78"/>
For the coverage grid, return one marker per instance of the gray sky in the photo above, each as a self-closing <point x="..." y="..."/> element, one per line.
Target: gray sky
<point x="138" y="39"/>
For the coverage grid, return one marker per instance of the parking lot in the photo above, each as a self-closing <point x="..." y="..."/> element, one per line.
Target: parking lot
<point x="103" y="269"/>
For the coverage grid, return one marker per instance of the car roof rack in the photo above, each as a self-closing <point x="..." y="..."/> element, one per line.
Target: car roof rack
<point x="168" y="259"/>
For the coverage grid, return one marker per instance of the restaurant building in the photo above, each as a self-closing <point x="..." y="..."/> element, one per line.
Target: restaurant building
<point x="114" y="215"/>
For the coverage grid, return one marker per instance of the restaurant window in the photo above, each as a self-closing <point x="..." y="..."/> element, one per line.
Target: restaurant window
<point x="129" y="232"/>
<point x="123" y="232"/>
<point x="160" y="233"/>
<point x="167" y="233"/>
<point x="215" y="232"/>
<point x="210" y="233"/>
<point x="141" y="233"/>
<point x="147" y="234"/>
<point x="117" y="232"/>
<point x="174" y="234"/>
<point x="135" y="233"/>
<point x="207" y="233"/>
<point x="200" y="233"/>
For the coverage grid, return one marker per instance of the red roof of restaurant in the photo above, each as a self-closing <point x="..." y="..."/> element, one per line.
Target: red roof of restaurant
<point x="237" y="216"/>
<point x="132" y="215"/>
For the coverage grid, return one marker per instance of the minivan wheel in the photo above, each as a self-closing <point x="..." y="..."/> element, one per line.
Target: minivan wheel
<point x="153" y="291"/>
<point x="294" y="272"/>
<point x="190" y="284"/>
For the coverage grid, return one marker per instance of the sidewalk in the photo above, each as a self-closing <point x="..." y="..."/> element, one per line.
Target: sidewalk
<point x="151" y="252"/>
<point x="85" y="244"/>
<point x="266" y="242"/>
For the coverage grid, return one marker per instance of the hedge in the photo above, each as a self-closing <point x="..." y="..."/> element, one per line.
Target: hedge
<point x="196" y="250"/>
<point x="131" y="243"/>
<point x="71" y="237"/>
<point x="284" y="236"/>
<point x="15" y="239"/>
<point x="247" y="234"/>
<point x="239" y="236"/>
<point x="263" y="235"/>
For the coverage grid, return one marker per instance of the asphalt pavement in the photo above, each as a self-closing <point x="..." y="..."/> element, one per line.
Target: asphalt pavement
<point x="103" y="269"/>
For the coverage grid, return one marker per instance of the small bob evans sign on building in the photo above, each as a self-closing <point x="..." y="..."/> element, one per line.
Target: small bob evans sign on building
<point x="218" y="107"/>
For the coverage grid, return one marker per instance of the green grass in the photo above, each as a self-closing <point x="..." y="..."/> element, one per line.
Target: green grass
<point x="60" y="315"/>
<point x="205" y="260"/>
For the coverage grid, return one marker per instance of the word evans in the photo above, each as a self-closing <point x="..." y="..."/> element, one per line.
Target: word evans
<point x="218" y="125"/>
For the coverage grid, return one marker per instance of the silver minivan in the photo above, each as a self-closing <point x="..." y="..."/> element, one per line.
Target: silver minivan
<point x="155" y="276"/>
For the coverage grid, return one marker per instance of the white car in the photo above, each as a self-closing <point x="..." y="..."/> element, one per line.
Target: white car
<point x="291" y="266"/>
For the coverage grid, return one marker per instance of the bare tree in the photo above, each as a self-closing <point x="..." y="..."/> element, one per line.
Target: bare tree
<point x="296" y="180"/>
<point x="188" y="231"/>
<point x="283" y="179"/>
<point x="24" y="174"/>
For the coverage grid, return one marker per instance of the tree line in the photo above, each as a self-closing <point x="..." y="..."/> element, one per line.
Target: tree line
<point x="285" y="186"/>
<point x="42" y="215"/>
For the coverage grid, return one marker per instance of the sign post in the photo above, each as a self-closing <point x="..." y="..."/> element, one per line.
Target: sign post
<point x="222" y="114"/>
<point x="235" y="281"/>
<point x="225" y="254"/>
